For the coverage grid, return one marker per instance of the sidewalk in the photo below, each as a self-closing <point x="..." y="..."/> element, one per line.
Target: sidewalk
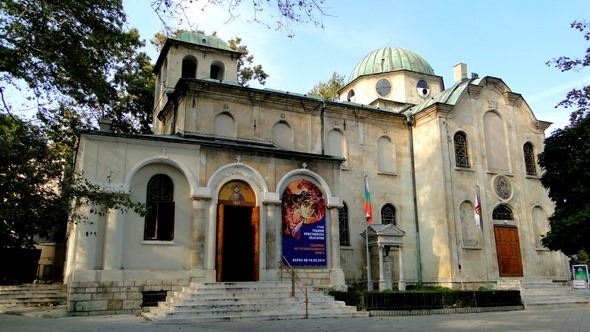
<point x="567" y="319"/>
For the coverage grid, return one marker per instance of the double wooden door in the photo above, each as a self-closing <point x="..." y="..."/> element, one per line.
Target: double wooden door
<point x="508" y="251"/>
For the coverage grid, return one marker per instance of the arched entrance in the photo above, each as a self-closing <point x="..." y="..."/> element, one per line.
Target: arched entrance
<point x="237" y="233"/>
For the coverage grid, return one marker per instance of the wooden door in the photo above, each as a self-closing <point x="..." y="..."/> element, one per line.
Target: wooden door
<point x="508" y="250"/>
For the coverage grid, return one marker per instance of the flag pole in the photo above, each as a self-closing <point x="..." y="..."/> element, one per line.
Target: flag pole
<point x="369" y="281"/>
<point x="479" y="221"/>
<point x="369" y="220"/>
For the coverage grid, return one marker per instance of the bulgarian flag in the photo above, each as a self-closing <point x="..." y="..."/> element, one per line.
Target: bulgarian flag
<point x="368" y="210"/>
<point x="477" y="208"/>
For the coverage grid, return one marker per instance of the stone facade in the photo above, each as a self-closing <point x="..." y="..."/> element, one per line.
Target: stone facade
<point x="93" y="298"/>
<point x="423" y="149"/>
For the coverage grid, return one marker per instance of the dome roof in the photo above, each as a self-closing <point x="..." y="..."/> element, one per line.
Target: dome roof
<point x="204" y="40"/>
<point x="390" y="59"/>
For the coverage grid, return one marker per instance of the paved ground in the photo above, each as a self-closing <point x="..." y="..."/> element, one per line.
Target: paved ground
<point x="543" y="320"/>
<point x="569" y="319"/>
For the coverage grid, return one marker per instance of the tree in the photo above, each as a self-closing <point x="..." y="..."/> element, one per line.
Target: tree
<point x="284" y="13"/>
<point x="328" y="89"/>
<point x="66" y="47"/>
<point x="247" y="70"/>
<point x="565" y="161"/>
<point x="578" y="98"/>
<point x="79" y="63"/>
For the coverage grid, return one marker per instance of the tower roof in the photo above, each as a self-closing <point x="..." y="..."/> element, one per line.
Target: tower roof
<point x="203" y="40"/>
<point x="390" y="59"/>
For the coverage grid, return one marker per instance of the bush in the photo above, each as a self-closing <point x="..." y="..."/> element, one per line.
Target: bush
<point x="425" y="298"/>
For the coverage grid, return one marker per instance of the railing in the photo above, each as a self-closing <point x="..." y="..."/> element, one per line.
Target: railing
<point x="295" y="281"/>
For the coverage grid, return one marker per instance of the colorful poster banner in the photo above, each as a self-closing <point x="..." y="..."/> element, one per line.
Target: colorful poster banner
<point x="304" y="224"/>
<point x="580" y="273"/>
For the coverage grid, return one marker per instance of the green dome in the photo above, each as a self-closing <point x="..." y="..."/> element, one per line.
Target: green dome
<point x="390" y="59"/>
<point x="205" y="40"/>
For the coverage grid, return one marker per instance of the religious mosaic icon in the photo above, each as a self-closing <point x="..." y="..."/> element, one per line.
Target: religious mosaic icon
<point x="502" y="187"/>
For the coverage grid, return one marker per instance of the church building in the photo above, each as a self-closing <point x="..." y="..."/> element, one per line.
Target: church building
<point x="240" y="181"/>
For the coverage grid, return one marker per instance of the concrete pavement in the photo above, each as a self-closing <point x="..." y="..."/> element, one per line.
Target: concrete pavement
<point x="551" y="319"/>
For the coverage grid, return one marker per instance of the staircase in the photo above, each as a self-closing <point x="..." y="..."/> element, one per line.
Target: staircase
<point x="546" y="293"/>
<point x="32" y="295"/>
<point x="229" y="301"/>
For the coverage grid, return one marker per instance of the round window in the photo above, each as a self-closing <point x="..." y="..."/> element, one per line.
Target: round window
<point x="423" y="88"/>
<point x="383" y="87"/>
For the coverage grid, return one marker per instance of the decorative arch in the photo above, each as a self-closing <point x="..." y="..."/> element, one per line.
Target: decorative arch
<point x="385" y="155"/>
<point x="307" y="174"/>
<point x="495" y="139"/>
<point x="237" y="171"/>
<point x="192" y="181"/>
<point x="282" y="135"/>
<point x="469" y="231"/>
<point x="224" y="125"/>
<point x="336" y="143"/>
<point x="540" y="225"/>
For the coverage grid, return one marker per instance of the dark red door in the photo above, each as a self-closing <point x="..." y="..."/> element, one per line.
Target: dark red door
<point x="508" y="249"/>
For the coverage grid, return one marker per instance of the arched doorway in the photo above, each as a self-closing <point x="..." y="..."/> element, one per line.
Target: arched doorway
<point x="237" y="233"/>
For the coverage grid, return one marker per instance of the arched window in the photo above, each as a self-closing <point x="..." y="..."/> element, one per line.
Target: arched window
<point x="502" y="212"/>
<point x="343" y="226"/>
<point x="189" y="67"/>
<point x="224" y="125"/>
<point x="216" y="71"/>
<point x="461" y="153"/>
<point x="282" y="135"/>
<point x="388" y="215"/>
<point x="385" y="155"/>
<point x="159" y="222"/>
<point x="529" y="159"/>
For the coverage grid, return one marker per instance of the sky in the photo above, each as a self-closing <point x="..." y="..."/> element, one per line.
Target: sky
<point x="511" y="40"/>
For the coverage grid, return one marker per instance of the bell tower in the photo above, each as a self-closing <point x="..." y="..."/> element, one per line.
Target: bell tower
<point x="192" y="55"/>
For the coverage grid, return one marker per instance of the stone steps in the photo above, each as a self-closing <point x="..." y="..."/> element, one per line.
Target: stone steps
<point x="545" y="293"/>
<point x="32" y="295"/>
<point x="213" y="302"/>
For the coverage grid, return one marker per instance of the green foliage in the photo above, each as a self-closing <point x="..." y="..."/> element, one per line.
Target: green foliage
<point x="329" y="89"/>
<point x="580" y="257"/>
<point x="40" y="191"/>
<point x="352" y="297"/>
<point x="578" y="98"/>
<point x="247" y="70"/>
<point x="423" y="298"/>
<point x="77" y="53"/>
<point x="565" y="161"/>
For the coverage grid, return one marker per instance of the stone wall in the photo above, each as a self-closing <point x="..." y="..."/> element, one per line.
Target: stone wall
<point x="90" y="298"/>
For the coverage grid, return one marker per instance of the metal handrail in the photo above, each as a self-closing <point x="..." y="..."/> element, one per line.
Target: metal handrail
<point x="295" y="281"/>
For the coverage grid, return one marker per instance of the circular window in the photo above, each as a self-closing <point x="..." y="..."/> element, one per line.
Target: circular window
<point x="383" y="87"/>
<point x="423" y="88"/>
